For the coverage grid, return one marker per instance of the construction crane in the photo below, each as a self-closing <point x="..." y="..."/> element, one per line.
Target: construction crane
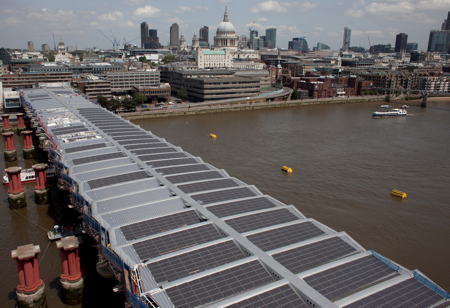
<point x="126" y="42"/>
<point x="114" y="41"/>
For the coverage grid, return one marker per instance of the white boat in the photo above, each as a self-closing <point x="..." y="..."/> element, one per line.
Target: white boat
<point x="28" y="175"/>
<point x="395" y="112"/>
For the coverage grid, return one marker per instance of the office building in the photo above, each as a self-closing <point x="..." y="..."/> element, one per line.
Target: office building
<point x="401" y="40"/>
<point x="322" y="46"/>
<point x="28" y="80"/>
<point x="125" y="80"/>
<point x="207" y="58"/>
<point x="174" y="35"/>
<point x="346" y="41"/>
<point x="412" y="47"/>
<point x="298" y="44"/>
<point x="94" y="87"/>
<point x="271" y="38"/>
<point x="30" y="46"/>
<point x="204" y="37"/>
<point x="153" y="39"/>
<point x="439" y="41"/>
<point x="144" y="34"/>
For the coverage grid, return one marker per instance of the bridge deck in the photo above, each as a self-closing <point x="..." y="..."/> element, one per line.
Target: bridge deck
<point x="190" y="234"/>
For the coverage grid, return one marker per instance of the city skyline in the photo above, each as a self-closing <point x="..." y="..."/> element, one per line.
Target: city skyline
<point x="79" y="24"/>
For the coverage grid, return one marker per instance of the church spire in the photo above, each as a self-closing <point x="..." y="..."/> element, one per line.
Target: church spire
<point x="225" y="15"/>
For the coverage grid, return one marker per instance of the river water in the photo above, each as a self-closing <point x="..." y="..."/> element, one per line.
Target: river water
<point x="345" y="164"/>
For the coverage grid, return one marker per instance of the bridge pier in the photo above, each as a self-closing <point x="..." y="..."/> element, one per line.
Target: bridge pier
<point x="71" y="279"/>
<point x="6" y="124"/>
<point x="20" y="123"/>
<point x="40" y="189"/>
<point x="31" y="289"/>
<point x="28" y="148"/>
<point x="16" y="195"/>
<point x="9" y="148"/>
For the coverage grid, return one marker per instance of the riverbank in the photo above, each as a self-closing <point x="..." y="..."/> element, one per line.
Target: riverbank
<point x="202" y="108"/>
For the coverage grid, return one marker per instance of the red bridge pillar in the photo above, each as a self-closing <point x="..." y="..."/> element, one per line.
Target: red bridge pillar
<point x="6" y="124"/>
<point x="28" y="148"/>
<point x="20" y="122"/>
<point x="9" y="148"/>
<point x="70" y="278"/>
<point x="31" y="290"/>
<point x="16" y="195"/>
<point x="40" y="188"/>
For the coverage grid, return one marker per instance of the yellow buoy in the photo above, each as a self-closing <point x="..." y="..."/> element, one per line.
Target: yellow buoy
<point x="287" y="169"/>
<point x="213" y="136"/>
<point x="398" y="193"/>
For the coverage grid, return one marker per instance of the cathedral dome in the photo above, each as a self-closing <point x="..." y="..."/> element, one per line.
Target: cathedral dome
<point x="225" y="26"/>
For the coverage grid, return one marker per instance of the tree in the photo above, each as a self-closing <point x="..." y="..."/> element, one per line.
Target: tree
<point x="128" y="105"/>
<point x="168" y="58"/>
<point x="102" y="101"/>
<point x="112" y="105"/>
<point x="139" y="98"/>
<point x="294" y="95"/>
<point x="51" y="56"/>
<point x="143" y="59"/>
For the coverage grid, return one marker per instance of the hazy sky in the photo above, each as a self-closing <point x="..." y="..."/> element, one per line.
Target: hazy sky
<point x="79" y="23"/>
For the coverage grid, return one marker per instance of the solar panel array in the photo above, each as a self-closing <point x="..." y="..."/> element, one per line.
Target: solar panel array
<point x="207" y="185"/>
<point x="182" y="219"/>
<point x="85" y="148"/>
<point x="281" y="297"/>
<point x="161" y="224"/>
<point x="94" y="158"/>
<point x="196" y="261"/>
<point x="261" y="220"/>
<point x="306" y="257"/>
<point x="284" y="236"/>
<point x="241" y="206"/>
<point x="116" y="179"/>
<point x="409" y="293"/>
<point x="343" y="280"/>
<point x="175" y="241"/>
<point x="223" y="195"/>
<point x="219" y="285"/>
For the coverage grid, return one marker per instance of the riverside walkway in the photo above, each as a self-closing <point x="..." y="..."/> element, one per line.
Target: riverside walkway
<point x="182" y="233"/>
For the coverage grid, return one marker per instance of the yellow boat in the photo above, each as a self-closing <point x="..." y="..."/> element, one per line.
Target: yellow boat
<point x="398" y="193"/>
<point x="287" y="169"/>
<point x="213" y="136"/>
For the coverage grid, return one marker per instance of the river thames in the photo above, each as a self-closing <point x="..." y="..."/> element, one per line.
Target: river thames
<point x="345" y="164"/>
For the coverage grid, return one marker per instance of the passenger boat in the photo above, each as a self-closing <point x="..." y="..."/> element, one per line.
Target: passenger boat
<point x="394" y="112"/>
<point x="28" y="175"/>
<point x="58" y="232"/>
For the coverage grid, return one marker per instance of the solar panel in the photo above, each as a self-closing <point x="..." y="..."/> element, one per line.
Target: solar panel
<point x="85" y="147"/>
<point x="172" y="162"/>
<point x="409" y="293"/>
<point x="153" y="151"/>
<point x="116" y="179"/>
<point x="261" y="220"/>
<point x="242" y="206"/>
<point x="149" y="145"/>
<point x="135" y="140"/>
<point x="182" y="169"/>
<point x="195" y="261"/>
<point x="70" y="131"/>
<point x="190" y="177"/>
<point x="91" y="159"/>
<point x="341" y="281"/>
<point x="161" y="156"/>
<point x="219" y="285"/>
<point x="207" y="185"/>
<point x="113" y="125"/>
<point x="303" y="258"/>
<point x="284" y="236"/>
<point x="120" y="129"/>
<point x="128" y="133"/>
<point x="158" y="225"/>
<point x="281" y="297"/>
<point x="38" y="96"/>
<point x="169" y="243"/>
<point x="67" y="128"/>
<point x="223" y="195"/>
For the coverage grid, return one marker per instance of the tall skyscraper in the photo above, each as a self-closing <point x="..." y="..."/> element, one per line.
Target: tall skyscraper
<point x="153" y="39"/>
<point x="271" y="38"/>
<point x="204" y="36"/>
<point x="347" y="36"/>
<point x="30" y="46"/>
<point x="174" y="35"/>
<point x="401" y="40"/>
<point x="299" y="44"/>
<point x="144" y="34"/>
<point x="439" y="41"/>
<point x="446" y="23"/>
